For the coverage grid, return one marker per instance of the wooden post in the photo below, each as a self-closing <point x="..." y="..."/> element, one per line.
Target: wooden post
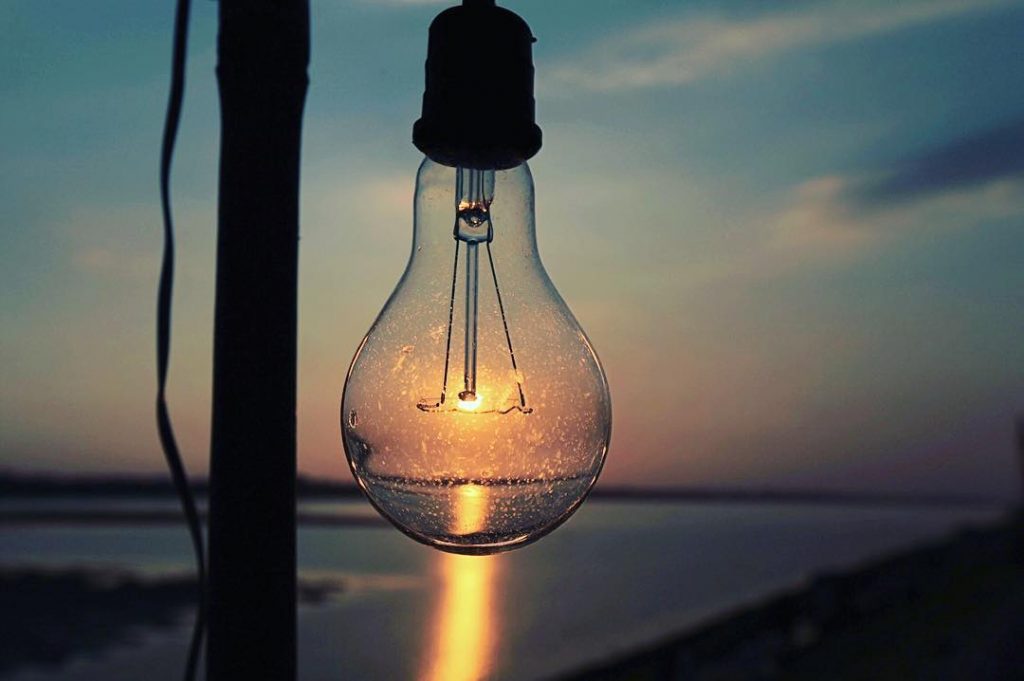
<point x="263" y="52"/>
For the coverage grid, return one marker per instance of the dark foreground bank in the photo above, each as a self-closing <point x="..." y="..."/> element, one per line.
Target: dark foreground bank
<point x="49" y="617"/>
<point x="952" y="610"/>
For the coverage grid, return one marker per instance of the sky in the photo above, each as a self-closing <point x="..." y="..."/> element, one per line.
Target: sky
<point x="793" y="231"/>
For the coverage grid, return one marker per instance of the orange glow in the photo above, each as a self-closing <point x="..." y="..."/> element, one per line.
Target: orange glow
<point x="463" y="648"/>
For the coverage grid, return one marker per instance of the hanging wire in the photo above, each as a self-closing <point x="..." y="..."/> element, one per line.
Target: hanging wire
<point x="163" y="333"/>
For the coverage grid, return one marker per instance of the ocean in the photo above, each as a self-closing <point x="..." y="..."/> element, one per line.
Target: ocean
<point x="616" y="576"/>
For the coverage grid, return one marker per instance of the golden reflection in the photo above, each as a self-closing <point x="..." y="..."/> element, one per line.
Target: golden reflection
<point x="464" y="634"/>
<point x="471" y="509"/>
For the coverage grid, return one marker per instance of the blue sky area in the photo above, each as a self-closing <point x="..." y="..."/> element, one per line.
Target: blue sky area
<point x="794" y="231"/>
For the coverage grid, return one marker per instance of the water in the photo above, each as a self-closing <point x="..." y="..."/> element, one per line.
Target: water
<point x="615" y="576"/>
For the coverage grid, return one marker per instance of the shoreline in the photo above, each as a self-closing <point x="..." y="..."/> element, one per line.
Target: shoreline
<point x="950" y="609"/>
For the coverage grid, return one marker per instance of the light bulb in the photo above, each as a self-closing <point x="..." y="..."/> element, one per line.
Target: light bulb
<point x="476" y="415"/>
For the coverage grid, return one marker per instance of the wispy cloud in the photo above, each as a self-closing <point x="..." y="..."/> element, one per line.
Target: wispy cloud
<point x="834" y="218"/>
<point x="977" y="177"/>
<point x="687" y="50"/>
<point x="829" y="216"/>
<point x="822" y="225"/>
<point x="972" y="161"/>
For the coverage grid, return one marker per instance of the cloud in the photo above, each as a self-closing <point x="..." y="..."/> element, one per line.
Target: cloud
<point x="822" y="223"/>
<point x="829" y="214"/>
<point x="832" y="219"/>
<point x="677" y="53"/>
<point x="976" y="160"/>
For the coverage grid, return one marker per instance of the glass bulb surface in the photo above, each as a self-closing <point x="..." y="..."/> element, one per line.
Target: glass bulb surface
<point x="476" y="415"/>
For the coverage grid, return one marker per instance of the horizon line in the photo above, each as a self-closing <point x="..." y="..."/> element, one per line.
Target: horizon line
<point x="21" y="484"/>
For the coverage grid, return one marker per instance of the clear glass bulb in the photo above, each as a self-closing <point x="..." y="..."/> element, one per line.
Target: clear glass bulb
<point x="476" y="415"/>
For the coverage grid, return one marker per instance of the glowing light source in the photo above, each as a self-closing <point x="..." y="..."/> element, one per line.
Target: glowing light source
<point x="469" y="401"/>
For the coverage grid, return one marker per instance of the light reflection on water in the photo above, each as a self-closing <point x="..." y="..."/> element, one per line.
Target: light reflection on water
<point x="463" y="649"/>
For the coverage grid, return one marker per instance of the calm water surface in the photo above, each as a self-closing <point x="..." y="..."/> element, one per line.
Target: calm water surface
<point x="616" y="575"/>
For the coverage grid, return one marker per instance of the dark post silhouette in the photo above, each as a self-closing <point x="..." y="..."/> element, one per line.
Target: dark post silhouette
<point x="263" y="52"/>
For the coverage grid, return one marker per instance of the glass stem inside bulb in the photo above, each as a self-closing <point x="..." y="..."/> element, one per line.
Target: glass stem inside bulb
<point x="474" y="192"/>
<point x="472" y="289"/>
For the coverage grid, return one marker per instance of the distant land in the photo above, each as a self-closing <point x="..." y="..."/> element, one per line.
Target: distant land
<point x="14" y="484"/>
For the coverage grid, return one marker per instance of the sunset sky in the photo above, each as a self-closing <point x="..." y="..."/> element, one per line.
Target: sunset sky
<point x="793" y="231"/>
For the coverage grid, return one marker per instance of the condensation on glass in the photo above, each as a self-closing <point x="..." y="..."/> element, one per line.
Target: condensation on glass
<point x="476" y="415"/>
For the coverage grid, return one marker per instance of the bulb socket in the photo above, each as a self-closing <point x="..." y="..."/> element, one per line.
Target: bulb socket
<point x="478" y="105"/>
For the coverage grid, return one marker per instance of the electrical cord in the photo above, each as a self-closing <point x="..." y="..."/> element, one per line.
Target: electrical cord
<point x="163" y="333"/>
